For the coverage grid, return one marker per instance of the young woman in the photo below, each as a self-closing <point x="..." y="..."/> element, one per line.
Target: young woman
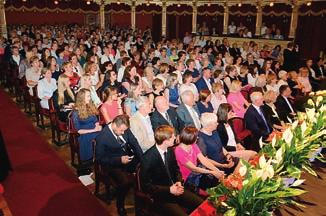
<point x="130" y="77"/>
<point x="111" y="106"/>
<point x="188" y="155"/>
<point x="63" y="98"/>
<point x="86" y="83"/>
<point x="86" y="123"/>
<point x="46" y="87"/>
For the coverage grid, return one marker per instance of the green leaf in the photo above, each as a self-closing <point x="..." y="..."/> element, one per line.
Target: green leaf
<point x="231" y="212"/>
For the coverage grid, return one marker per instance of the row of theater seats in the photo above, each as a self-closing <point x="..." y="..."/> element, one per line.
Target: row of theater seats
<point x="18" y="88"/>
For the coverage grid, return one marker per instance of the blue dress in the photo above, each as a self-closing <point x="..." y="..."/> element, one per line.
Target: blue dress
<point x="174" y="96"/>
<point x="85" y="140"/>
<point x="202" y="109"/>
<point x="211" y="146"/>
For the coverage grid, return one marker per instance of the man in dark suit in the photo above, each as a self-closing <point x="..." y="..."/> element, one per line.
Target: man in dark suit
<point x="319" y="68"/>
<point x="161" y="178"/>
<point x="291" y="57"/>
<point x="284" y="107"/>
<point x="118" y="151"/>
<point x="256" y="121"/>
<point x="187" y="111"/>
<point x="205" y="82"/>
<point x="163" y="115"/>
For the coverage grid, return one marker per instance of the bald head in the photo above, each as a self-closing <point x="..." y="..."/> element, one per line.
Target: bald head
<point x="161" y="104"/>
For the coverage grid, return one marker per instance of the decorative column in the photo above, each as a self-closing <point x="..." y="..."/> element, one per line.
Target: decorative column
<point x="164" y="8"/>
<point x="226" y="19"/>
<point x="194" y="17"/>
<point x="133" y="15"/>
<point x="102" y="15"/>
<point x="294" y="20"/>
<point x="3" y="23"/>
<point x="259" y="19"/>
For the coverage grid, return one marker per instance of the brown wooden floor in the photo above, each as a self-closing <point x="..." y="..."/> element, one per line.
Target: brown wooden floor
<point x="314" y="199"/>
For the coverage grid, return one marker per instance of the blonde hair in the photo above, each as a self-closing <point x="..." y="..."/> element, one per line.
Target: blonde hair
<point x="83" y="80"/>
<point x="216" y="87"/>
<point x="163" y="68"/>
<point x="156" y="83"/>
<point x="271" y="77"/>
<point x="171" y="80"/>
<point x="84" y="110"/>
<point x="268" y="96"/>
<point x="235" y="85"/>
<point x="303" y="70"/>
<point x="62" y="87"/>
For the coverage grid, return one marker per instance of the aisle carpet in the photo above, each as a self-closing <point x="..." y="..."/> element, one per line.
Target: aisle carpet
<point x="41" y="183"/>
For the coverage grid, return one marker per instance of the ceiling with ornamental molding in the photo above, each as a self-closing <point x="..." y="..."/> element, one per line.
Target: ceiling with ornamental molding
<point x="206" y="2"/>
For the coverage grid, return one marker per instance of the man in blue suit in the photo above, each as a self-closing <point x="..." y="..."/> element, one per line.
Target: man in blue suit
<point x="256" y="121"/>
<point x="118" y="151"/>
<point x="205" y="82"/>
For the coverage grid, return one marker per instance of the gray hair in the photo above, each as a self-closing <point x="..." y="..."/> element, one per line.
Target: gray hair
<point x="141" y="101"/>
<point x="207" y="119"/>
<point x="255" y="96"/>
<point x="186" y="94"/>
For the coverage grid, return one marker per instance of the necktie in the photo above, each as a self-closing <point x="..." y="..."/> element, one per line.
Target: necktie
<point x="168" y="118"/>
<point x="195" y="118"/>
<point x="167" y="166"/>
<point x="120" y="141"/>
<point x="265" y="122"/>
<point x="289" y="104"/>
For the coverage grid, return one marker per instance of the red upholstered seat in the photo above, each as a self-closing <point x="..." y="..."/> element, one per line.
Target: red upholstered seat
<point x="56" y="125"/>
<point x="73" y="142"/>
<point x="239" y="128"/>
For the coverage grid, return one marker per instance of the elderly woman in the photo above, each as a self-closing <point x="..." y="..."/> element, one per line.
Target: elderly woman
<point x="236" y="99"/>
<point x="270" y="112"/>
<point x="227" y="135"/>
<point x="188" y="156"/>
<point x="211" y="145"/>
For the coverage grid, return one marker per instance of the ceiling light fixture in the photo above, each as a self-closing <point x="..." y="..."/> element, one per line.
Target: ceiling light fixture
<point x="271" y="4"/>
<point x="239" y="5"/>
<point x="56" y="2"/>
<point x="308" y="3"/>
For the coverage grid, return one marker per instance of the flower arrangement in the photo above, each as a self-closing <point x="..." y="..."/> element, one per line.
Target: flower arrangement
<point x="260" y="185"/>
<point x="255" y="190"/>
